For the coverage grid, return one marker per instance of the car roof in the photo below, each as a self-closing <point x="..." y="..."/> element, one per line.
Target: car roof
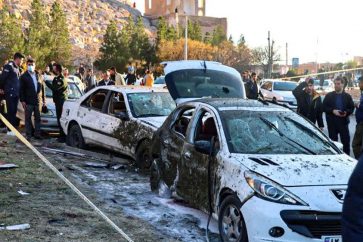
<point x="236" y="103"/>
<point x="171" y="66"/>
<point x="133" y="89"/>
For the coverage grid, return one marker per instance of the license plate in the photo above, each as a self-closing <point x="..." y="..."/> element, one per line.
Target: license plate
<point x="332" y="239"/>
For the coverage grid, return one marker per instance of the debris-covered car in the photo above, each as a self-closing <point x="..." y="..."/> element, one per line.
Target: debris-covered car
<point x="263" y="171"/>
<point x="122" y="119"/>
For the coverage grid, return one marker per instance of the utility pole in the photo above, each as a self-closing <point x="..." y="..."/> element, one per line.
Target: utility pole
<point x="270" y="53"/>
<point x="186" y="38"/>
<point x="287" y="57"/>
<point x="177" y="22"/>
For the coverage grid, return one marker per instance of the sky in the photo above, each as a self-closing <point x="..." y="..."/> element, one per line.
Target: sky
<point x="315" y="30"/>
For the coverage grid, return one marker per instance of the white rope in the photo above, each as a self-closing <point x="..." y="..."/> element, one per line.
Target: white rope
<point x="60" y="175"/>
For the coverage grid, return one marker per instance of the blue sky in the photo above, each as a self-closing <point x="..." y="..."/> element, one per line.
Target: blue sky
<point x="320" y="30"/>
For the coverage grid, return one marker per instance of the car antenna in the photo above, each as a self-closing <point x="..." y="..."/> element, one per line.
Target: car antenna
<point x="205" y="66"/>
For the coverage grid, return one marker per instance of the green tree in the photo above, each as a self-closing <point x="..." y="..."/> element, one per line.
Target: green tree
<point x="194" y="31"/>
<point x="109" y="48"/>
<point x="218" y="36"/>
<point x="11" y="37"/>
<point x="38" y="41"/>
<point x="60" y="47"/>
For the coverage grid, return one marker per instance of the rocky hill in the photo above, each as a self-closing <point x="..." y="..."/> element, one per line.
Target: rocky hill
<point x="87" y="21"/>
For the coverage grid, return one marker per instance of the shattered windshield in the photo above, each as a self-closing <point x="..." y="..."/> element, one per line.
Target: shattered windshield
<point x="150" y="104"/>
<point x="197" y="83"/>
<point x="272" y="132"/>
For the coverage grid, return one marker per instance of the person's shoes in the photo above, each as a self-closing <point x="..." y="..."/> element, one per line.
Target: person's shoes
<point x="61" y="139"/>
<point x="10" y="133"/>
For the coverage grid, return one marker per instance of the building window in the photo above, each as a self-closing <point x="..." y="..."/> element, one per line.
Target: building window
<point x="150" y="4"/>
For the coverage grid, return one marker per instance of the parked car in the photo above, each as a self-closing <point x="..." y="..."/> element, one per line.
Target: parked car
<point x="280" y="91"/>
<point x="48" y="121"/>
<point x="119" y="118"/>
<point x="328" y="86"/>
<point x="266" y="173"/>
<point x="78" y="81"/>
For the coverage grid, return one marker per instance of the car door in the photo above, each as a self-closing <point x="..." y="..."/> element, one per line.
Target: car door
<point x="89" y="114"/>
<point x="193" y="167"/>
<point x="172" y="142"/>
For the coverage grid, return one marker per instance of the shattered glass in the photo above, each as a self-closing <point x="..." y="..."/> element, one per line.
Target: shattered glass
<point x="150" y="104"/>
<point x="248" y="132"/>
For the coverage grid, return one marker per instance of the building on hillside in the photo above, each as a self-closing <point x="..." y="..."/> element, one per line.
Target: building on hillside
<point x="174" y="11"/>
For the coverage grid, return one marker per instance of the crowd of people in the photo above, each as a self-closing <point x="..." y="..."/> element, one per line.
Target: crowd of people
<point x="28" y="87"/>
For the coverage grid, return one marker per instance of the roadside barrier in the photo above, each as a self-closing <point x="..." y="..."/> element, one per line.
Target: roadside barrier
<point x="60" y="175"/>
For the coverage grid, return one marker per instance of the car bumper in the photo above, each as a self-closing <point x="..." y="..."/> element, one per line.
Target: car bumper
<point x="49" y="124"/>
<point x="293" y="223"/>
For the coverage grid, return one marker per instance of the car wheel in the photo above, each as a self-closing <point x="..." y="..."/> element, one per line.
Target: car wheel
<point x="143" y="160"/>
<point x="75" y="137"/>
<point x="230" y="220"/>
<point x="274" y="100"/>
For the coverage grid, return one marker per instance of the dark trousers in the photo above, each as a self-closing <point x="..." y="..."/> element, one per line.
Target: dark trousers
<point x="340" y="127"/>
<point x="12" y="106"/>
<point x="357" y="143"/>
<point x="58" y="110"/>
<point x="30" y="109"/>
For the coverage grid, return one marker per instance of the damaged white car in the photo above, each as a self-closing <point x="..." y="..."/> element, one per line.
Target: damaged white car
<point x="263" y="171"/>
<point x="121" y="119"/>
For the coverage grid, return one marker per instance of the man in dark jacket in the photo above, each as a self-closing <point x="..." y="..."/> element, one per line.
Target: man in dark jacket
<point x="59" y="87"/>
<point x="106" y="81"/>
<point x="32" y="94"/>
<point x="352" y="217"/>
<point x="338" y="105"/>
<point x="9" y="86"/>
<point x="309" y="102"/>
<point x="357" y="144"/>
<point x="252" y="89"/>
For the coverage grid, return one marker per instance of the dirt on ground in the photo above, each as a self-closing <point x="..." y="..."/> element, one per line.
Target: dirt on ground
<point x="53" y="211"/>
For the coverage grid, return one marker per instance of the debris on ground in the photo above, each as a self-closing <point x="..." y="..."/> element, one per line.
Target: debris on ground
<point x="15" y="227"/>
<point x="96" y="164"/>
<point x="5" y="166"/>
<point x="23" y="193"/>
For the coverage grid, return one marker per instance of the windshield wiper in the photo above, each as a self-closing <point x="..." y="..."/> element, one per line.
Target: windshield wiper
<point x="150" y="115"/>
<point x="284" y="136"/>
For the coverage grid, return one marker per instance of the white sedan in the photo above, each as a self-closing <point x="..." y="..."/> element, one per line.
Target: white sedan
<point x="118" y="118"/>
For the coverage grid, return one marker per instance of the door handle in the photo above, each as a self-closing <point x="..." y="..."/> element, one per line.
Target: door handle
<point x="187" y="155"/>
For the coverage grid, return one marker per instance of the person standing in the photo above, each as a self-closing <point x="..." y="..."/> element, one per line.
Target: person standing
<point x="245" y="77"/>
<point x="309" y="102"/>
<point x="338" y="105"/>
<point x="90" y="80"/>
<point x="59" y="87"/>
<point x="131" y="76"/>
<point x="106" y="81"/>
<point x="32" y="94"/>
<point x="148" y="79"/>
<point x="357" y="144"/>
<point x="9" y="86"/>
<point x="252" y="89"/>
<point x="117" y="77"/>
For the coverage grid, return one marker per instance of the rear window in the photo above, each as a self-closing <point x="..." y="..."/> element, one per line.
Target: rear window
<point x="197" y="83"/>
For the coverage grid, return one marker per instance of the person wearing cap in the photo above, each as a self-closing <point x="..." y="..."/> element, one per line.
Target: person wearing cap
<point x="357" y="144"/>
<point x="32" y="95"/>
<point x="338" y="106"/>
<point x="309" y="102"/>
<point x="59" y="87"/>
<point x="9" y="87"/>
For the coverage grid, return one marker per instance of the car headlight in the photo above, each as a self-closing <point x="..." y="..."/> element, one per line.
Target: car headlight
<point x="271" y="191"/>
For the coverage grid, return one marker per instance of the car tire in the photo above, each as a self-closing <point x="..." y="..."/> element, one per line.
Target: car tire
<point x="155" y="177"/>
<point x="274" y="100"/>
<point x="75" y="138"/>
<point x="143" y="160"/>
<point x="231" y="224"/>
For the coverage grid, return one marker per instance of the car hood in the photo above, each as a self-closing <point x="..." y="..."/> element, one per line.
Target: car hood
<point x="301" y="170"/>
<point x="155" y="122"/>
<point x="285" y="94"/>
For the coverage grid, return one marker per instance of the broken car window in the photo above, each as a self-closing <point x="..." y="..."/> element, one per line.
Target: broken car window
<point x="117" y="104"/>
<point x="150" y="104"/>
<point x="247" y="132"/>
<point x="95" y="100"/>
<point x="180" y="125"/>
<point x="196" y="83"/>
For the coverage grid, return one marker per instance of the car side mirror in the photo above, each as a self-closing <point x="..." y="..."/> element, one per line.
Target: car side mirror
<point x="123" y="116"/>
<point x="203" y="146"/>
